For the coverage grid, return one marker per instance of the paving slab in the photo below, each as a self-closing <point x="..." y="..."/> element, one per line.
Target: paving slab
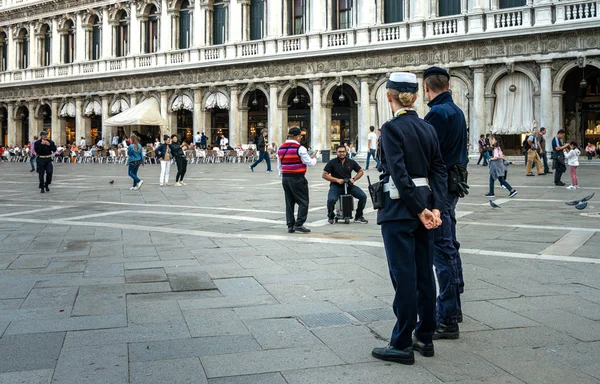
<point x="495" y="316"/>
<point x="98" y="364"/>
<point x="57" y="298"/>
<point x="145" y="275"/>
<point x="190" y="281"/>
<point x="244" y="286"/>
<point x="281" y="333"/>
<point x="268" y="361"/>
<point x="213" y="322"/>
<point x="96" y="300"/>
<point x="352" y="343"/>
<point x="178" y="371"/>
<point x="575" y="326"/>
<point x="40" y="376"/>
<point x="191" y="347"/>
<point x="263" y="378"/>
<point x="28" y="352"/>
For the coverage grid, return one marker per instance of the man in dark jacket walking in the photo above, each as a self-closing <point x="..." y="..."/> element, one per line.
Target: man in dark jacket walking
<point x="263" y="144"/>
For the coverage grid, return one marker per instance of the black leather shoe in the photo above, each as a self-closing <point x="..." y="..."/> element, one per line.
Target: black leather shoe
<point x="302" y="229"/>
<point x="560" y="184"/>
<point x="444" y="331"/>
<point x="424" y="349"/>
<point x="403" y="356"/>
<point x="459" y="317"/>
<point x="47" y="189"/>
<point x="291" y="230"/>
<point x="42" y="190"/>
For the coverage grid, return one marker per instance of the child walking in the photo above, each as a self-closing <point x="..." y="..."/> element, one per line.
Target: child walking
<point x="498" y="170"/>
<point x="572" y="156"/>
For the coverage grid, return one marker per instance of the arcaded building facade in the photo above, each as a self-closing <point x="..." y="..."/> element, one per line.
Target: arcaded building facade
<point x="233" y="67"/>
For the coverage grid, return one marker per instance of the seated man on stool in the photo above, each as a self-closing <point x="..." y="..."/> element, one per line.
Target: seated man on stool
<point x="339" y="171"/>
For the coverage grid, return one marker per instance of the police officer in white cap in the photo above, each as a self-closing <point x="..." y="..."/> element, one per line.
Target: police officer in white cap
<point x="414" y="178"/>
<point x="45" y="148"/>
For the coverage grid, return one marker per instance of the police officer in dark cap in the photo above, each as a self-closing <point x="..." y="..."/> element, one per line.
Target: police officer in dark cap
<point x="45" y="148"/>
<point x="451" y="127"/>
<point x="414" y="178"/>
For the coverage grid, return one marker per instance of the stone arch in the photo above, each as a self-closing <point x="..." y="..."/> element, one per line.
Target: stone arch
<point x="176" y="5"/>
<point x="18" y="109"/>
<point x="175" y="95"/>
<point x="329" y="89"/>
<point x="222" y="90"/>
<point x="88" y="17"/>
<point x="144" y="8"/>
<point x="145" y="96"/>
<point x="114" y="15"/>
<point x="249" y="91"/>
<point x="499" y="73"/>
<point x="559" y="78"/>
<point x="468" y="82"/>
<point x="40" y="107"/>
<point x="66" y="22"/>
<point x="382" y="80"/>
<point x="285" y="93"/>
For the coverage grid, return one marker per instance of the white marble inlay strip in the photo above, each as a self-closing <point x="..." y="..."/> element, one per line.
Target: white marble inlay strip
<point x="53" y="208"/>
<point x="568" y="244"/>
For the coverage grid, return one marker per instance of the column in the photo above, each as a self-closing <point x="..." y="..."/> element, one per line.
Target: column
<point x="234" y="27"/>
<point x="11" y="62"/>
<point x="107" y="130"/>
<point x="12" y="126"/>
<point x="476" y="18"/>
<point x="416" y="20"/>
<point x="278" y="11"/>
<point x="35" y="124"/>
<point x="81" y="128"/>
<point x="59" y="132"/>
<point x="318" y="19"/>
<point x="557" y="118"/>
<point x="133" y="101"/>
<point x="420" y="102"/>
<point x="198" y="25"/>
<point x="316" y="114"/>
<point x="80" y="43"/>
<point x="244" y="125"/>
<point x="365" y="115"/>
<point x="275" y="125"/>
<point x="166" y="129"/>
<point x="205" y="123"/>
<point x="478" y="104"/>
<point x="56" y="37"/>
<point x="197" y="111"/>
<point x="366" y="18"/>
<point x="374" y="116"/>
<point x="107" y="38"/>
<point x="136" y="32"/>
<point x="32" y="55"/>
<point x="234" y="117"/>
<point x="165" y="28"/>
<point x="546" y="115"/>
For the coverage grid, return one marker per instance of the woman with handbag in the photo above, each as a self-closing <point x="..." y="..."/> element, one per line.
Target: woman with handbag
<point x="178" y="152"/>
<point x="135" y="159"/>
<point x="498" y="169"/>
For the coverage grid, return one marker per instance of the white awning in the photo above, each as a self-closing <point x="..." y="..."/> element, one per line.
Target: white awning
<point x="93" y="108"/>
<point x="217" y="100"/>
<point x="67" y="110"/>
<point x="145" y="113"/>
<point x="183" y="102"/>
<point x="513" y="110"/>
<point x="119" y="106"/>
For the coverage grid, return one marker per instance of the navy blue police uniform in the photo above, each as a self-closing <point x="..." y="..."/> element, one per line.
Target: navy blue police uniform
<point x="409" y="150"/>
<point x="451" y="128"/>
<point x="45" y="155"/>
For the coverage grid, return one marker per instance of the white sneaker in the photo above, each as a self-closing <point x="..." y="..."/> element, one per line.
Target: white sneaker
<point x="577" y="186"/>
<point x="571" y="187"/>
<point x="139" y="186"/>
<point x="184" y="184"/>
<point x="132" y="189"/>
<point x="162" y="185"/>
<point x="178" y="184"/>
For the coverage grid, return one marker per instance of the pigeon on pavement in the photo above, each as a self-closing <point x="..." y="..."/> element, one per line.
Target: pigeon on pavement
<point x="577" y="202"/>
<point x="494" y="205"/>
<point x="111" y="182"/>
<point x="581" y="206"/>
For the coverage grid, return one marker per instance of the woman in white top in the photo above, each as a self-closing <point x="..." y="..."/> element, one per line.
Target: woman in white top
<point x="572" y="156"/>
<point x="498" y="169"/>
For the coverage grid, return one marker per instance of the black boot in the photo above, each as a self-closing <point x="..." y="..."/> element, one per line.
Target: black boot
<point x="444" y="331"/>
<point x="403" y="356"/>
<point x="423" y="348"/>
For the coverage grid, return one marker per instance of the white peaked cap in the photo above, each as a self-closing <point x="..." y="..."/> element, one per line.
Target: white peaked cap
<point x="403" y="82"/>
<point x="403" y="77"/>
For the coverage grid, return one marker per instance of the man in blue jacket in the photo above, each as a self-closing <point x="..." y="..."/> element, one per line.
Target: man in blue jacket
<point x="451" y="127"/>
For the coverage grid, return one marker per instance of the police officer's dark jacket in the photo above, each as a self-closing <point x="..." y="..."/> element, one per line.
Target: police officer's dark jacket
<point x="44" y="150"/>
<point x="451" y="127"/>
<point x="409" y="149"/>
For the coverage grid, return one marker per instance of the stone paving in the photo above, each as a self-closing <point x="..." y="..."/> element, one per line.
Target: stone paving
<point x="203" y="284"/>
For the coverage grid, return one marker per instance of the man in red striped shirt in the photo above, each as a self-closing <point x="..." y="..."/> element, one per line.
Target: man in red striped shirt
<point x="292" y="160"/>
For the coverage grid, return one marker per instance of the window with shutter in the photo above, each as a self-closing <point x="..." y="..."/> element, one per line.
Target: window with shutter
<point x="257" y="19"/>
<point x="47" y="45"/>
<point x="296" y="16"/>
<point x="342" y="11"/>
<point x="96" y="36"/>
<point x="449" y="7"/>
<point x="393" y="11"/>
<point x="511" y="3"/>
<point x="219" y="16"/>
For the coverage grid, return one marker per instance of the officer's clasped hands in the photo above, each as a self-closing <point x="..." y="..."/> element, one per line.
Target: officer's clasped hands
<point x="429" y="219"/>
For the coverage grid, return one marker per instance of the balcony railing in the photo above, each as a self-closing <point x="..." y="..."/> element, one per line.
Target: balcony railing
<point x="395" y="34"/>
<point x="577" y="10"/>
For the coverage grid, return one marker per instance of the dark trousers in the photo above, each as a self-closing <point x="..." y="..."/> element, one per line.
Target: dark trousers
<point x="295" y="189"/>
<point x="44" y="166"/>
<point x="448" y="265"/>
<point x="336" y="190"/>
<point x="409" y="251"/>
<point x="485" y="156"/>
<point x="31" y="162"/>
<point x="558" y="172"/>
<point x="132" y="172"/>
<point x="263" y="155"/>
<point x="181" y="168"/>
<point x="502" y="181"/>
<point x="544" y="157"/>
